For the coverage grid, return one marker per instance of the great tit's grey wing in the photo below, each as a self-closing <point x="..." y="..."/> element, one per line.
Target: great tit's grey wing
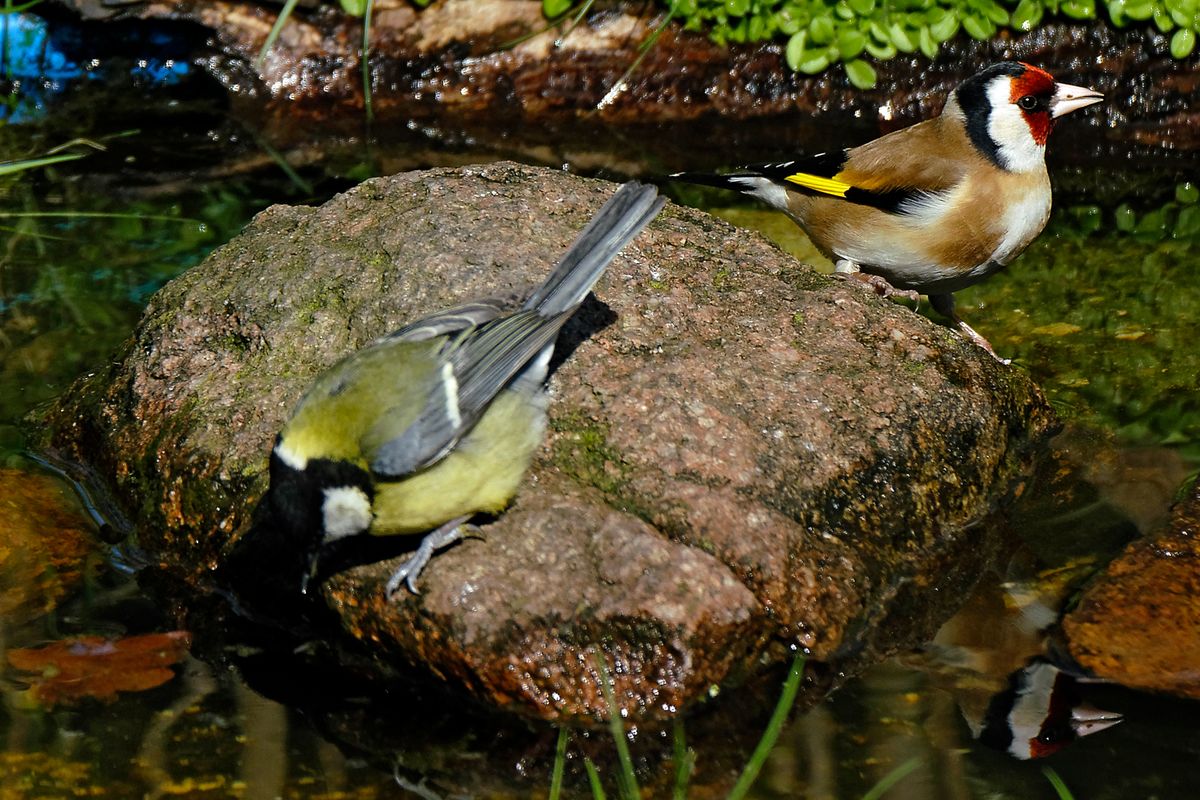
<point x="486" y="352"/>
<point x="475" y="367"/>
<point x="452" y="320"/>
<point x="616" y="223"/>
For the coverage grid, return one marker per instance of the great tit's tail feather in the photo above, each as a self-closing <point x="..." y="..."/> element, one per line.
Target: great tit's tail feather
<point x="613" y="227"/>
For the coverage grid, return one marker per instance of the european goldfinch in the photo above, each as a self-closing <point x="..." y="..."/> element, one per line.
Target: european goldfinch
<point x="435" y="422"/>
<point x="934" y="207"/>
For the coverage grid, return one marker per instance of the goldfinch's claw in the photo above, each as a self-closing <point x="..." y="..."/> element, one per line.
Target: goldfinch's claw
<point x="978" y="339"/>
<point x="881" y="287"/>
<point x="435" y="540"/>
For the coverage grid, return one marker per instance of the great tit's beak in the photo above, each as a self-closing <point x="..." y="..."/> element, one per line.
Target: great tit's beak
<point x="314" y="562"/>
<point x="1068" y="98"/>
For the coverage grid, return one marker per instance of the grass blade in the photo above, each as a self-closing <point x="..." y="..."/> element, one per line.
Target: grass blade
<point x="1058" y="783"/>
<point x="12" y="167"/>
<point x="892" y="778"/>
<point x="622" y="83"/>
<point x="594" y="780"/>
<point x="791" y="686"/>
<point x="560" y="760"/>
<point x="685" y="762"/>
<point x="366" y="65"/>
<point x="280" y="21"/>
<point x="627" y="780"/>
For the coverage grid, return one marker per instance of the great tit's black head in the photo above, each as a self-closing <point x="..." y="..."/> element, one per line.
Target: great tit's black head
<point x="316" y="505"/>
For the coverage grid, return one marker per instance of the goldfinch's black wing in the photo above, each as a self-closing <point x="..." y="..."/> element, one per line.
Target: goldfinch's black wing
<point x="822" y="174"/>
<point x="475" y="366"/>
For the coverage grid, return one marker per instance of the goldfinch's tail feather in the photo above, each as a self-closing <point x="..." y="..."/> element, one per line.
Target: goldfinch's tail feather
<point x="615" y="224"/>
<point x="748" y="181"/>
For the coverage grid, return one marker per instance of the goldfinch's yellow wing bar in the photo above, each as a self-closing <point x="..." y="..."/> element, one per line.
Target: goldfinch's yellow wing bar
<point x="818" y="184"/>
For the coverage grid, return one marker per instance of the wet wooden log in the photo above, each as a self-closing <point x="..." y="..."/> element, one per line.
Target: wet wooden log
<point x="473" y="58"/>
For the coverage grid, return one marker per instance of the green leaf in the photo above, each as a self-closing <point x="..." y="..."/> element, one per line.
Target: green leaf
<point x="1088" y="219"/>
<point x="815" y="63"/>
<point x="788" y="21"/>
<point x="1124" y="218"/>
<point x="1027" y="15"/>
<point x="1140" y="10"/>
<point x="927" y="43"/>
<point x="850" y="44"/>
<point x="1187" y="193"/>
<point x="821" y="29"/>
<point x="978" y="27"/>
<point x="735" y="8"/>
<point x="1153" y="225"/>
<point x="862" y="8"/>
<point x="550" y="8"/>
<point x="879" y="33"/>
<point x="354" y="8"/>
<point x="944" y="29"/>
<point x="794" y="53"/>
<point x="881" y="52"/>
<point x="843" y="10"/>
<point x="1183" y="43"/>
<point x="996" y="14"/>
<point x="1188" y="224"/>
<point x="1162" y="20"/>
<point x="901" y="39"/>
<point x="860" y="73"/>
<point x="1086" y="9"/>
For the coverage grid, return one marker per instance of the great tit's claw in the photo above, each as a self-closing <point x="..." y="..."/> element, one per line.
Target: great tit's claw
<point x="410" y="570"/>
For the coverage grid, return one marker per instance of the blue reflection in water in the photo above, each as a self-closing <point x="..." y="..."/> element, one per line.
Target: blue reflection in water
<point x="40" y="61"/>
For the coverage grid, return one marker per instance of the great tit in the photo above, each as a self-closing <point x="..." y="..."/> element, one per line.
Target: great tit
<point x="935" y="207"/>
<point x="438" y="421"/>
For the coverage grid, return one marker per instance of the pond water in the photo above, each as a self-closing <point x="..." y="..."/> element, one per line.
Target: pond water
<point x="1103" y="310"/>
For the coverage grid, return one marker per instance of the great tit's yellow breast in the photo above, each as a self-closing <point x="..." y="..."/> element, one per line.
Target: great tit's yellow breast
<point x="481" y="474"/>
<point x="387" y="380"/>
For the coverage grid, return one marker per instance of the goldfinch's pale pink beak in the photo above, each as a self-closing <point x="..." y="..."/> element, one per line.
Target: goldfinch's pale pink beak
<point x="1068" y="98"/>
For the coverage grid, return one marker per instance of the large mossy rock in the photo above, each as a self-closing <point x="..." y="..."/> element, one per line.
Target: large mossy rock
<point x="746" y="457"/>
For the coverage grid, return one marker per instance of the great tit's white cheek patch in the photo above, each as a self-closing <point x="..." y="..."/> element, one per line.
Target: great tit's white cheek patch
<point x="346" y="511"/>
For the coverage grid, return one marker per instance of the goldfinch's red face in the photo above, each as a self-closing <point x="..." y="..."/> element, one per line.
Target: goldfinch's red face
<point x="1032" y="92"/>
<point x="1010" y="110"/>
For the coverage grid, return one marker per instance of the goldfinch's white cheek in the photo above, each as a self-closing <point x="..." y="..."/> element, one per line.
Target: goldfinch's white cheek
<point x="1018" y="150"/>
<point x="346" y="511"/>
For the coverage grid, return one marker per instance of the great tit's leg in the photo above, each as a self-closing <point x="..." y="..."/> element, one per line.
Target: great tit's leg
<point x="876" y="283"/>
<point x="944" y="305"/>
<point x="435" y="540"/>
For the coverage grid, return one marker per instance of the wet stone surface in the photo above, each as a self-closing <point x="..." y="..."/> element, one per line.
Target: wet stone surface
<point x="745" y="457"/>
<point x="1139" y="623"/>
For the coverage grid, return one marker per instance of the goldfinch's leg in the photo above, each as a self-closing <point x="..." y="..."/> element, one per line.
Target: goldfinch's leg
<point x="877" y="283"/>
<point x="944" y="305"/>
<point x="435" y="540"/>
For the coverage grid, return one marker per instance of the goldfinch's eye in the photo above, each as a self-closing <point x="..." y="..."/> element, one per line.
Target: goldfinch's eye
<point x="1028" y="102"/>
